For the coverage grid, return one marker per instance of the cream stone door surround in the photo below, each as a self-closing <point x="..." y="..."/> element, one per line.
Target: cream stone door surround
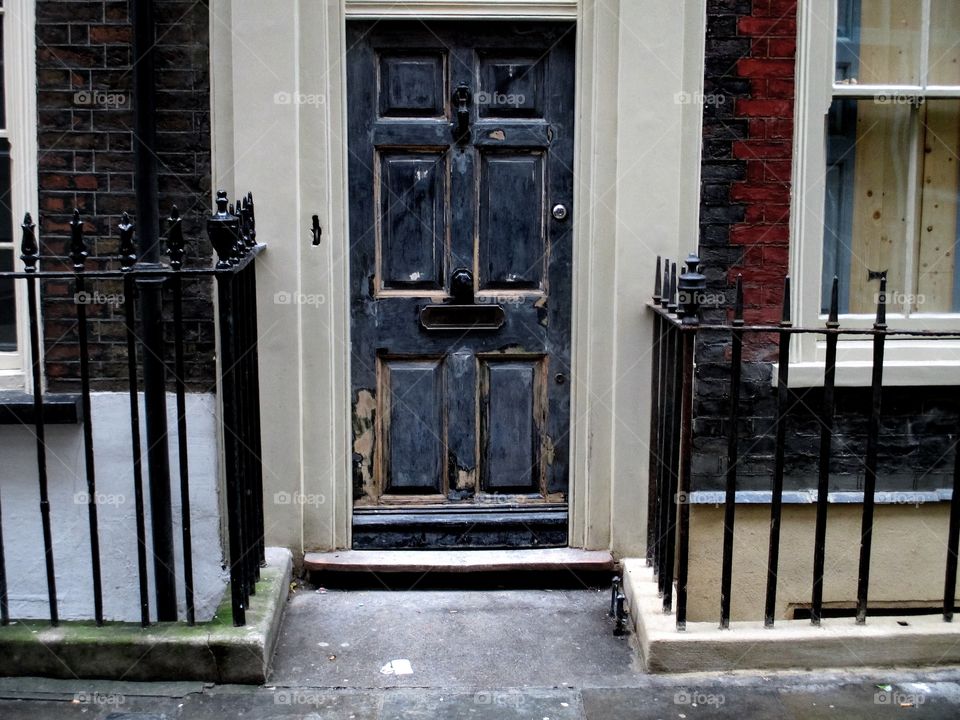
<point x="279" y="127"/>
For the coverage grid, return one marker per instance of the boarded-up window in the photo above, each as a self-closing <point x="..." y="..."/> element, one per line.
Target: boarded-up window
<point x="893" y="156"/>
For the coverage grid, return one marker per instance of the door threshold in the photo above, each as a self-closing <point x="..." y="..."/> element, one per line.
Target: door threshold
<point x="460" y="561"/>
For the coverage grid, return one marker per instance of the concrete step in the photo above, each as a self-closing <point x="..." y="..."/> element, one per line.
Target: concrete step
<point x="459" y="561"/>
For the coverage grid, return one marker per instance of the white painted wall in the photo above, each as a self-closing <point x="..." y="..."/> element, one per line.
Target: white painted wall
<point x="22" y="533"/>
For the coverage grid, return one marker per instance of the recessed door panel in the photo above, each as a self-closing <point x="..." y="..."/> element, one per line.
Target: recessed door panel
<point x="411" y="85"/>
<point x="511" y="250"/>
<point x="510" y="87"/>
<point x="412" y="429"/>
<point x="511" y="400"/>
<point x="412" y="225"/>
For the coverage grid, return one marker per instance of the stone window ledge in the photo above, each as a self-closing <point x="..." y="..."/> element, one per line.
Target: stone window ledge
<point x="16" y="408"/>
<point x="809" y="497"/>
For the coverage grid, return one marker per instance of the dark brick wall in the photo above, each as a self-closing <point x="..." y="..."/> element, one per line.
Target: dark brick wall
<point x="744" y="230"/>
<point x="84" y="87"/>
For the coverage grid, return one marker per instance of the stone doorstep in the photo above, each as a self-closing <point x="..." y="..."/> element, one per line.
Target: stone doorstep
<point x="214" y="651"/>
<point x="790" y="644"/>
<point x="460" y="561"/>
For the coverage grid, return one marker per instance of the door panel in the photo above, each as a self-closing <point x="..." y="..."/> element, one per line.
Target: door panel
<point x="443" y="179"/>
<point x="512" y="86"/>
<point x="511" y="252"/>
<point x="512" y="408"/>
<point x="412" y="428"/>
<point x="412" y="231"/>
<point x="412" y="85"/>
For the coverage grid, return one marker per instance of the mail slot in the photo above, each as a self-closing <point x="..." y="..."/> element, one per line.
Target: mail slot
<point x="461" y="317"/>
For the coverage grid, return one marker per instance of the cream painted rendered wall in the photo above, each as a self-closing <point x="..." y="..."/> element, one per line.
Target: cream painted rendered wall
<point x="279" y="122"/>
<point x="657" y="213"/>
<point x="909" y="557"/>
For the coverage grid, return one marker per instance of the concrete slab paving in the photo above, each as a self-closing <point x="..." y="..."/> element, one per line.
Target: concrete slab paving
<point x="483" y="655"/>
<point x="682" y="701"/>
<point x="452" y="639"/>
<point x="510" y="704"/>
<point x="801" y="697"/>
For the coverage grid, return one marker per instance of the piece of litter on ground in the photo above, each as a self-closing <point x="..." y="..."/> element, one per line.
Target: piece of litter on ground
<point x="331" y="657"/>
<point x="323" y="644"/>
<point x="397" y="667"/>
<point x="344" y="644"/>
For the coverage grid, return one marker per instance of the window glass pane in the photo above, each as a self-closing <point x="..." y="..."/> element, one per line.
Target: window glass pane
<point x="6" y="213"/>
<point x="937" y="276"/>
<point x="865" y="221"/>
<point x="8" y="312"/>
<point x="848" y="39"/>
<point x="944" y="43"/>
<point x="878" y="41"/>
<point x="3" y="94"/>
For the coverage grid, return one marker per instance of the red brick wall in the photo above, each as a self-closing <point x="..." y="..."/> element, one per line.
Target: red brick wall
<point x="86" y="161"/>
<point x="748" y="146"/>
<point x="767" y="152"/>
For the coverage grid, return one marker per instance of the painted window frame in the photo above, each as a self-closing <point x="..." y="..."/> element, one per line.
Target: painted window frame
<point x="907" y="362"/>
<point x="19" y="68"/>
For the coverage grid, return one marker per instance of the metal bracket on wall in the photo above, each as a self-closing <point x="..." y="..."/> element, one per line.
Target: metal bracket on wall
<point x="618" y="606"/>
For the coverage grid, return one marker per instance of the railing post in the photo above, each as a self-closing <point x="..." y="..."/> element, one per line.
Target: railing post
<point x="953" y="537"/>
<point x="652" y="493"/>
<point x="730" y="500"/>
<point x="223" y="230"/>
<point x="663" y="484"/>
<point x="175" y="249"/>
<point x="692" y="284"/>
<point x="826" y="436"/>
<point x="128" y="259"/>
<point x="78" y="254"/>
<point x="30" y="254"/>
<point x="674" y="350"/>
<point x="870" y="462"/>
<point x="776" y="499"/>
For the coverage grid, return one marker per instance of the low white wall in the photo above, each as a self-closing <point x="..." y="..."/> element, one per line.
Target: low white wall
<point x="22" y="532"/>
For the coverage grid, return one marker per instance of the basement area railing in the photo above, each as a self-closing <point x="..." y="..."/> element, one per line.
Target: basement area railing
<point x="151" y="320"/>
<point x="677" y="333"/>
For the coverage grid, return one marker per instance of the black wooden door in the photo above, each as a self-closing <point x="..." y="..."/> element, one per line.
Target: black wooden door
<point x="460" y="190"/>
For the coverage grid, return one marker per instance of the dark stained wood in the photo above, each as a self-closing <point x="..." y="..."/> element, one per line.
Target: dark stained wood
<point x="511" y="252"/>
<point x="413" y="223"/>
<point x="412" y="430"/>
<point x="412" y="85"/>
<point x="509" y="428"/>
<point x="447" y="413"/>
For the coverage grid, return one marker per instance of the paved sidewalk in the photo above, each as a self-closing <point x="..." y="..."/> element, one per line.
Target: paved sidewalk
<point x="926" y="695"/>
<point x="481" y="655"/>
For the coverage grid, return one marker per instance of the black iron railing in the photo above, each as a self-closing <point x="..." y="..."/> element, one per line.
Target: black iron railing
<point x="233" y="235"/>
<point x="676" y="307"/>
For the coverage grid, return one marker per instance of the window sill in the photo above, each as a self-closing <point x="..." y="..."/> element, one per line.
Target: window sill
<point x="857" y="373"/>
<point x="16" y="408"/>
<point x="808" y="497"/>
